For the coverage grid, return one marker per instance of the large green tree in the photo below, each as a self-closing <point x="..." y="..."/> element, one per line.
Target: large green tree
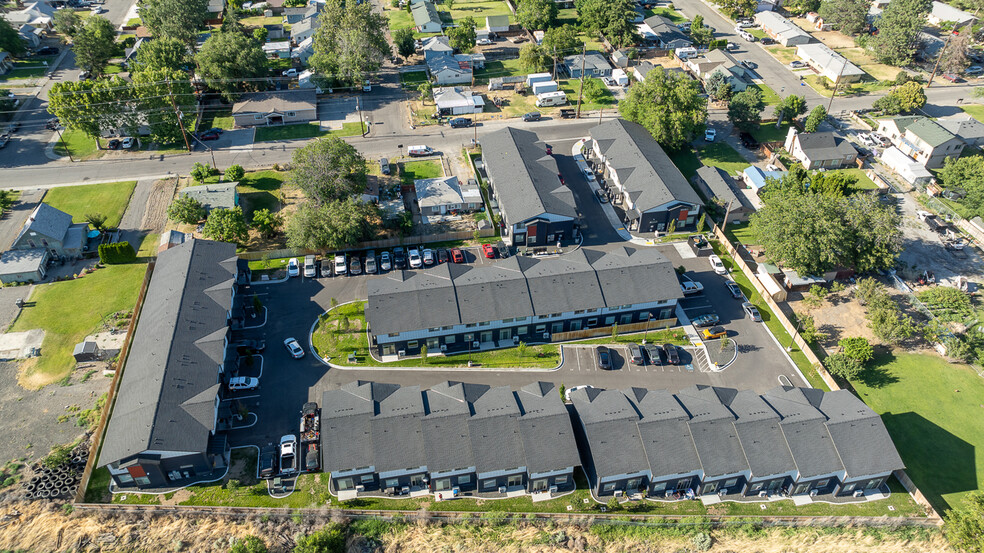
<point x="533" y="58"/>
<point x="227" y="225"/>
<point x="94" y="44"/>
<point x="790" y="107"/>
<point x="230" y="62"/>
<point x="964" y="527"/>
<point x="739" y="8"/>
<point x="164" y="53"/>
<point x="701" y="34"/>
<point x="817" y="116"/>
<point x="10" y="40"/>
<point x="157" y="92"/>
<point x="331" y="225"/>
<point x="902" y="99"/>
<point x="95" y="106"/>
<point x="350" y="44"/>
<point x="966" y="173"/>
<point x="562" y="41"/>
<point x="611" y="18"/>
<point x="328" y="169"/>
<point x="898" y="31"/>
<point x="876" y="233"/>
<point x="745" y="109"/>
<point x="848" y="16"/>
<point x="186" y="209"/>
<point x="178" y="19"/>
<point x="67" y="22"/>
<point x="463" y="36"/>
<point x="404" y="42"/>
<point x="536" y="14"/>
<point x="669" y="105"/>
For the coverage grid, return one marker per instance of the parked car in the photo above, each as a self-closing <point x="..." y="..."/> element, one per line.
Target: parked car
<point x="752" y="311"/>
<point x="733" y="289"/>
<point x="672" y="355"/>
<point x="267" y="463"/>
<point x="691" y="287"/>
<point x="294" y="348"/>
<point x="795" y="64"/>
<point x="385" y="262"/>
<point x="48" y="51"/>
<point x="114" y="144"/>
<point x="749" y="64"/>
<point x="415" y="261"/>
<point x="714" y="332"/>
<point x="355" y="265"/>
<point x="636" y="356"/>
<point x="341" y="264"/>
<point x="288" y="454"/>
<point x="293" y="268"/>
<point x="710" y="135"/>
<point x="532" y="116"/>
<point x="371" y="266"/>
<point x="732" y="46"/>
<point x="384" y="166"/>
<point x="503" y="250"/>
<point x="129" y="143"/>
<point x="974" y="70"/>
<point x="326" y="267"/>
<point x="208" y="135"/>
<point x="488" y="251"/>
<point x="310" y="270"/>
<point x="707" y="319"/>
<point x="292" y="72"/>
<point x="419" y="151"/>
<point x="483" y="41"/>
<point x="882" y="141"/>
<point x="243" y="383"/>
<point x="766" y="41"/>
<point x="457" y="256"/>
<point x="717" y="265"/>
<point x="399" y="258"/>
<point x="460" y="122"/>
<point x="428" y="256"/>
<point x="604" y="358"/>
<point x="601" y="196"/>
<point x="442" y="255"/>
<point x="950" y="77"/>
<point x="653" y="353"/>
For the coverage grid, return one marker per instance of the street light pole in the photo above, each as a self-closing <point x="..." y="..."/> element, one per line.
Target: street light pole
<point x="646" y="334"/>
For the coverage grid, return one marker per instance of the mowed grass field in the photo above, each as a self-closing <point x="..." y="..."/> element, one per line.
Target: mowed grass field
<point x="109" y="199"/>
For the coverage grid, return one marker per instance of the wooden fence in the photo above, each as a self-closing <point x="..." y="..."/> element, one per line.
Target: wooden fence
<point x="607" y="330"/>
<point x="370" y="244"/>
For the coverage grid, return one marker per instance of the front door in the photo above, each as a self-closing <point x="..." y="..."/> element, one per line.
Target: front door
<point x="486" y="336"/>
<point x="530" y="235"/>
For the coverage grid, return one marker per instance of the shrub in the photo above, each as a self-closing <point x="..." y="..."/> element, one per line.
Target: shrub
<point x="857" y="348"/>
<point x="117" y="253"/>
<point x="702" y="541"/>
<point x="235" y="173"/>
<point x="200" y="172"/>
<point x="59" y="456"/>
<point x="249" y="544"/>
<point x="841" y="365"/>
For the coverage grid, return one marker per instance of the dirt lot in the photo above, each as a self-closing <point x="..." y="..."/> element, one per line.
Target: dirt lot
<point x="923" y="249"/>
<point x="155" y="218"/>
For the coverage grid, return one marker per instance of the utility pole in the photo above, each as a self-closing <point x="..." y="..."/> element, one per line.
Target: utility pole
<point x="362" y="126"/>
<point x="600" y="113"/>
<point x="580" y="92"/>
<point x="177" y="113"/>
<point x="940" y="58"/>
<point x="727" y="213"/>
<point x="555" y="63"/>
<point x="836" y="84"/>
<point x="68" y="151"/>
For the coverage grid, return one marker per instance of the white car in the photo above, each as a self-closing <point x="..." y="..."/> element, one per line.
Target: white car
<point x="710" y="135"/>
<point x="292" y="72"/>
<point x="295" y="349"/>
<point x="288" y="454"/>
<point x="310" y="271"/>
<point x="413" y="256"/>
<point x="483" y="41"/>
<point x="237" y="383"/>
<point x="428" y="256"/>
<point x="796" y="64"/>
<point x="341" y="265"/>
<point x="974" y="70"/>
<point x="293" y="269"/>
<point x="129" y="143"/>
<point x="385" y="262"/>
<point x="882" y="141"/>
<point x="567" y="392"/>
<point x="717" y="265"/>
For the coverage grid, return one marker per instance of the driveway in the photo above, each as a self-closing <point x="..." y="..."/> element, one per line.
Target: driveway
<point x="595" y="226"/>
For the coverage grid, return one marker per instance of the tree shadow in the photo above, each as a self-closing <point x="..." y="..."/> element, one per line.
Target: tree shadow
<point x="877" y="374"/>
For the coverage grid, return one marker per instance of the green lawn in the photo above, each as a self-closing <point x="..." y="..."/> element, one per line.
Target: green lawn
<point x="686" y="161"/>
<point x="301" y="131"/>
<point x="68" y="311"/>
<point x="262" y="264"/>
<point x="723" y="156"/>
<point x="668" y="13"/>
<point x="669" y="335"/>
<point x="398" y="18"/>
<point x="601" y="98"/>
<point x="414" y="170"/>
<point x="26" y="69"/>
<point x="740" y="232"/>
<point x="479" y="10"/>
<point x="134" y="22"/>
<point x="864" y="183"/>
<point x="109" y="198"/>
<point x="975" y="110"/>
<point x="769" y="96"/>
<point x="767" y="132"/>
<point x="148" y="245"/>
<point x="77" y="144"/>
<point x="498" y="68"/>
<point x="214" y="117"/>
<point x="412" y="79"/>
<point x="757" y="33"/>
<point x="260" y="189"/>
<point x="259" y="21"/>
<point x="932" y="409"/>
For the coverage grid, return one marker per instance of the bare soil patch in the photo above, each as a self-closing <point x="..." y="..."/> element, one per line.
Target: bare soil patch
<point x="155" y="218"/>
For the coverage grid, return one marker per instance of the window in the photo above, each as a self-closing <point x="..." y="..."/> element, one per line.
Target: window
<point x="470" y="325"/>
<point x="446" y="327"/>
<point x="366" y="478"/>
<point x="540" y="329"/>
<point x="393" y="335"/>
<point x="756" y="487"/>
<point x="730" y="482"/>
<point x="449" y="339"/>
<point x="412" y="344"/>
<point x="644" y="316"/>
<point x="625" y="319"/>
<point x="557" y="327"/>
<point x="592" y="322"/>
<point x="124" y="478"/>
<point x="540" y="485"/>
<point x="469" y="337"/>
<point x="659" y="487"/>
<point x="822" y="484"/>
<point x="523" y="330"/>
<point x="486" y="323"/>
<point x="142" y="481"/>
<point x="464" y="479"/>
<point x="507" y="320"/>
<point x="575" y="325"/>
<point x="578" y="311"/>
<point x="488" y="484"/>
<point x="608" y="487"/>
<point x="344" y="483"/>
<point x="391" y="482"/>
<point x="592" y="310"/>
<point x="442" y="484"/>
<point x="849" y="487"/>
<point x="609" y="321"/>
<point x="505" y="334"/>
<point x="514" y="480"/>
<point x="541" y="317"/>
<point x="710" y="488"/>
<point x="633" y="484"/>
<point x="556" y="315"/>
<point x="433" y="343"/>
<point x="289" y="114"/>
<point x="435" y="329"/>
<point x="562" y="479"/>
<point x="258" y="117"/>
<point x="872" y="484"/>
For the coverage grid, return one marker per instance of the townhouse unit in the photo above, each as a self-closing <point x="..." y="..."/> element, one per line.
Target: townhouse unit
<point x="815" y="150"/>
<point x="782" y="30"/>
<point x="721" y="443"/>
<point x="459" y="308"/>
<point x="452" y="440"/>
<point x="922" y="139"/>
<point x="649" y="187"/>
<point x="536" y="206"/>
<point x="166" y="425"/>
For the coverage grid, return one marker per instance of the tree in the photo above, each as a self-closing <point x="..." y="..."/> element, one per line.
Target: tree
<point x="94" y="44"/>
<point x="265" y="222"/>
<point x="803" y="232"/>
<point x="332" y="225"/>
<point x="328" y="169"/>
<point x="668" y="105"/>
<point x="94" y="107"/>
<point x="809" y="331"/>
<point x="249" y="544"/>
<point x="235" y="173"/>
<point x="714" y="83"/>
<point x="613" y="504"/>
<point x="701" y="34"/>
<point x="449" y="5"/>
<point x="857" y="348"/>
<point x="329" y="539"/>
<point x="463" y="36"/>
<point x="536" y="14"/>
<point x="790" y="107"/>
<point x="521" y="351"/>
<point x="260" y="34"/>
<point x="701" y="222"/>
<point x="955" y="58"/>
<point x="890" y="325"/>
<point x="165" y="53"/>
<point x="200" y="172"/>
<point x="966" y="173"/>
<point x="902" y="99"/>
<point x="849" y="16"/>
<point x="96" y="219"/>
<point x="611" y="18"/>
<point x="745" y="109"/>
<point x="229" y="60"/>
<point x="898" y="31"/>
<point x="817" y="116"/>
<point x="876" y="237"/>
<point x="839" y="364"/>
<point x="800" y="7"/>
<point x="533" y="58"/>
<point x="227" y="225"/>
<point x="67" y="22"/>
<point x="404" y="42"/>
<point x="423" y="353"/>
<point x="614" y="332"/>
<point x="426" y="90"/>
<point x="153" y="92"/>
<point x="350" y="44"/>
<point x="561" y="41"/>
<point x="964" y="527"/>
<point x="10" y="40"/>
<point x="177" y="19"/>
<point x="737" y="9"/>
<point x="187" y="210"/>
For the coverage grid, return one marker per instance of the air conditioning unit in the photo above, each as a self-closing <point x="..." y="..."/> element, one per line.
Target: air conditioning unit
<point x="722" y="492"/>
<point x="553" y="489"/>
<point x="401" y="353"/>
<point x="455" y="491"/>
<point x="502" y="489"/>
<point x="859" y="493"/>
<point x="619" y="493"/>
<point x="475" y="345"/>
<point x="360" y="488"/>
<point x="546" y="335"/>
<point x="763" y="493"/>
<point x="813" y="493"/>
<point x="516" y="340"/>
<point x="444" y="347"/>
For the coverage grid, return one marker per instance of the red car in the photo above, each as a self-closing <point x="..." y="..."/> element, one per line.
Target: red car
<point x="457" y="256"/>
<point x="209" y="136"/>
<point x="488" y="250"/>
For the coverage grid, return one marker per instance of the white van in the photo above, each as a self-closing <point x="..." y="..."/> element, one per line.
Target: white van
<point x="547" y="99"/>
<point x="419" y="151"/>
<point x="684" y="53"/>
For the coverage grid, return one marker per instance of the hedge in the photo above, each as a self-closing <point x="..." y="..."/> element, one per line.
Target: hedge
<point x="118" y="252"/>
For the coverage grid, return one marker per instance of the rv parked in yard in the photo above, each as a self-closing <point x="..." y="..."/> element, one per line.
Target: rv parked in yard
<point x="556" y="98"/>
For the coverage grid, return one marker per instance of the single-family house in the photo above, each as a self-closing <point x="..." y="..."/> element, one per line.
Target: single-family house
<point x="647" y="184"/>
<point x="52" y="229"/>
<point x="664" y="33"/>
<point x="756" y="178"/>
<point x="941" y="12"/>
<point x="910" y="170"/>
<point x="455" y="100"/>
<point x="718" y="187"/>
<point x="436" y="46"/>
<point x="768" y="5"/>
<point x="216" y="6"/>
<point x="440" y="196"/>
<point x="36" y="14"/>
<point x="536" y="206"/>
<point x="595" y="65"/>
<point x="167" y="425"/>
<point x="640" y="71"/>
<point x="304" y="29"/>
<point x="426" y="19"/>
<point x="782" y="30"/>
<point x="828" y="63"/>
<point x="24" y="265"/>
<point x="816" y="150"/>
<point x="964" y="127"/>
<point x="497" y="23"/>
<point x="31" y="35"/>
<point x="447" y="70"/>
<point x="303" y="51"/>
<point x="221" y="195"/>
<point x="720" y="61"/>
<point x="6" y="62"/>
<point x="922" y="139"/>
<point x="296" y="14"/>
<point x="276" y="108"/>
<point x="278" y="50"/>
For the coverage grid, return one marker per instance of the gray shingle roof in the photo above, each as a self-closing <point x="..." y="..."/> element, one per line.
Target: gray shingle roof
<point x="665" y="433"/>
<point x="611" y="427"/>
<point x="859" y="435"/>
<point x="213" y="196"/>
<point x="169" y="385"/>
<point x="445" y="427"/>
<point x="424" y="13"/>
<point x="760" y="435"/>
<point x="404" y="300"/>
<point x="47" y="221"/>
<point x="397" y="438"/>
<point x="715" y="437"/>
<point x="665" y="30"/>
<point x="495" y="436"/>
<point x="592" y="61"/>
<point x="545" y="427"/>
<point x="491" y="293"/>
<point x="820" y="146"/>
<point x="804" y="429"/>
<point x="524" y="177"/>
<point x="565" y="284"/>
<point x="722" y="186"/>
<point x="633" y="275"/>
<point x="645" y="172"/>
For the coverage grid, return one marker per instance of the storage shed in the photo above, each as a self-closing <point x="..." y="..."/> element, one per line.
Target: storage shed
<point x="86" y="350"/>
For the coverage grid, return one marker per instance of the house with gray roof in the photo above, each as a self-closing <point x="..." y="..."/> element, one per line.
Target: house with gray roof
<point x="816" y="150"/>
<point x="304" y="29"/>
<point x="536" y="206"/>
<point x="664" y="33"/>
<point x="456" y="308"/>
<point x="668" y="442"/>
<point x="167" y="425"/>
<point x="712" y="425"/>
<point x="594" y="63"/>
<point x="276" y="108"/>
<point x="221" y="195"/>
<point x="649" y="187"/>
<point x="922" y="139"/>
<point x="719" y="187"/>
<point x="453" y="440"/>
<point x="964" y="127"/>
<point x="782" y="30"/>
<point x="441" y="196"/>
<point x="426" y="19"/>
<point x="52" y="229"/>
<point x="942" y="12"/>
<point x="24" y="265"/>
